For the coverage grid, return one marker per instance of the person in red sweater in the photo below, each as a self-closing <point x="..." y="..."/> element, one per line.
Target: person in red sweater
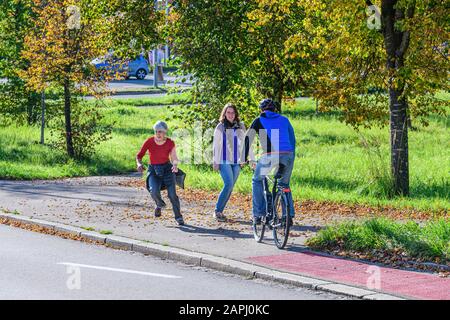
<point x="163" y="163"/>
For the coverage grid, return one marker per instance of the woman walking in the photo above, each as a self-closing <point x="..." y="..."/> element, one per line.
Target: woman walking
<point x="162" y="166"/>
<point x="228" y="144"/>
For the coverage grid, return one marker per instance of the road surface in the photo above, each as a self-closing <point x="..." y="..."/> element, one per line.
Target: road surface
<point x="39" y="266"/>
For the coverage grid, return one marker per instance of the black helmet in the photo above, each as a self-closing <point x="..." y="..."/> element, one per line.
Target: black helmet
<point x="267" y="104"/>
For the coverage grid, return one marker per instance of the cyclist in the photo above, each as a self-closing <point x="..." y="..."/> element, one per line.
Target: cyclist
<point x="277" y="139"/>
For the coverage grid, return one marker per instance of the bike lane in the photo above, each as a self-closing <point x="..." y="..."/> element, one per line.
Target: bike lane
<point x="409" y="284"/>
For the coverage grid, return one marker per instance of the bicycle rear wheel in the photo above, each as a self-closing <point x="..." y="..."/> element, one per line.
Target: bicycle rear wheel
<point x="258" y="230"/>
<point x="281" y="223"/>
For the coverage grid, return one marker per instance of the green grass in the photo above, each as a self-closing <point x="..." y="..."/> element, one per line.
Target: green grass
<point x="15" y="212"/>
<point x="106" y="232"/>
<point x="430" y="241"/>
<point x="146" y="89"/>
<point x="88" y="228"/>
<point x="170" y="99"/>
<point x="332" y="162"/>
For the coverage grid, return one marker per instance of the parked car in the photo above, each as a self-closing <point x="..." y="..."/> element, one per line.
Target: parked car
<point x="137" y="68"/>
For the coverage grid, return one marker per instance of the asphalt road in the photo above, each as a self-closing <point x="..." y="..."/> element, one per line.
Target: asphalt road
<point x="39" y="266"/>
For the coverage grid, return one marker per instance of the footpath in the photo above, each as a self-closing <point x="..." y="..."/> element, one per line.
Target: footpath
<point x="118" y="211"/>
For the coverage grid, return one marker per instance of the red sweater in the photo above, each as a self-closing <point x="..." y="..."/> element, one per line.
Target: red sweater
<point x="159" y="154"/>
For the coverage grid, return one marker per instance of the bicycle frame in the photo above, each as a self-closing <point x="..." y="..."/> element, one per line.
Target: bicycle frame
<point x="271" y="219"/>
<point x="273" y="192"/>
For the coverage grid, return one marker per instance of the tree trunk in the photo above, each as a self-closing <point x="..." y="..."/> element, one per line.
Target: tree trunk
<point x="396" y="44"/>
<point x="278" y="92"/>
<point x="399" y="143"/>
<point x="42" y="117"/>
<point x="67" y="115"/>
<point x="31" y="104"/>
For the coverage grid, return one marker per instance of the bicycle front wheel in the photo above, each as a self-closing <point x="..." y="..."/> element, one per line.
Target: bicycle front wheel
<point x="258" y="230"/>
<point x="281" y="217"/>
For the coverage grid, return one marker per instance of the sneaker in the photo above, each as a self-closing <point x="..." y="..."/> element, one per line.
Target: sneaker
<point x="180" y="221"/>
<point x="157" y="212"/>
<point x="223" y="216"/>
<point x="219" y="216"/>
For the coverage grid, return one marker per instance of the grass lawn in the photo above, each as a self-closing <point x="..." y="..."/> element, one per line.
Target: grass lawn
<point x="148" y="89"/>
<point x="332" y="163"/>
<point x="170" y="99"/>
<point x="430" y="241"/>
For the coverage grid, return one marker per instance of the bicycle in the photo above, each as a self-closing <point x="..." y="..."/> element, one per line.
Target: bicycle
<point x="279" y="221"/>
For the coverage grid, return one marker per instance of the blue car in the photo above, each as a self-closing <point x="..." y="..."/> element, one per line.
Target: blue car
<point x="137" y="68"/>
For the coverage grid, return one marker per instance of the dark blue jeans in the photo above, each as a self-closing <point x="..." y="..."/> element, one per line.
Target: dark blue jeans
<point x="159" y="175"/>
<point x="265" y="165"/>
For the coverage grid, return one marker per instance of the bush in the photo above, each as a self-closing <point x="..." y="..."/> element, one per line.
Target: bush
<point x="17" y="105"/>
<point x="87" y="130"/>
<point x="380" y="182"/>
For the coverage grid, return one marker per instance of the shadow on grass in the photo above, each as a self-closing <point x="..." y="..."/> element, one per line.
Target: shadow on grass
<point x="325" y="183"/>
<point x="312" y="136"/>
<point x="21" y="152"/>
<point x="417" y="191"/>
<point x="428" y="191"/>
<point x="13" y="153"/>
<point x="102" y="165"/>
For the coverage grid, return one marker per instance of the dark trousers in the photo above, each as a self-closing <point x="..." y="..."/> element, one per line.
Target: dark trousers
<point x="161" y="176"/>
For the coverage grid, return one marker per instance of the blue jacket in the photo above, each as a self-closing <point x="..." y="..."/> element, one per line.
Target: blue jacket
<point x="274" y="128"/>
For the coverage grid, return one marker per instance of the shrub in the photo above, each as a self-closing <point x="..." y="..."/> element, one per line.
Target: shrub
<point x="88" y="130"/>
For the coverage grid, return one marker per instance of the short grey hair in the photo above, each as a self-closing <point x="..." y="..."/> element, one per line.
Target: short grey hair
<point x="160" y="126"/>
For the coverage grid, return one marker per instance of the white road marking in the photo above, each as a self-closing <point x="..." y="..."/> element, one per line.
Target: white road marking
<point x="160" y="275"/>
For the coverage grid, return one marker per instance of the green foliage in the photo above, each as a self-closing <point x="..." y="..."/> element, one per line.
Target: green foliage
<point x="430" y="241"/>
<point x="237" y="53"/>
<point x="17" y="104"/>
<point x="134" y="26"/>
<point x="351" y="70"/>
<point x="14" y="23"/>
<point x="87" y="130"/>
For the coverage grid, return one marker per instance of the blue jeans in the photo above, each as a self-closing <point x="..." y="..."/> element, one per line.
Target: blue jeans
<point x="263" y="168"/>
<point x="229" y="173"/>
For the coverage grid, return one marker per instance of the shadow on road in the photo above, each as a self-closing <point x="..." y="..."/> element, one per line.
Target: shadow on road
<point x="219" y="232"/>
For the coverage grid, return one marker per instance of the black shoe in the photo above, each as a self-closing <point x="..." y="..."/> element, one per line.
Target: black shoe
<point x="180" y="221"/>
<point x="256" y="220"/>
<point x="290" y="222"/>
<point x="157" y="212"/>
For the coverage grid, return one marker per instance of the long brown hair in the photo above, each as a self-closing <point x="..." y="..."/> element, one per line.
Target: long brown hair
<point x="222" y="117"/>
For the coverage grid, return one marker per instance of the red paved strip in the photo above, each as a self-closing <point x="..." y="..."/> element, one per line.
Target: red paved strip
<point x="398" y="282"/>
